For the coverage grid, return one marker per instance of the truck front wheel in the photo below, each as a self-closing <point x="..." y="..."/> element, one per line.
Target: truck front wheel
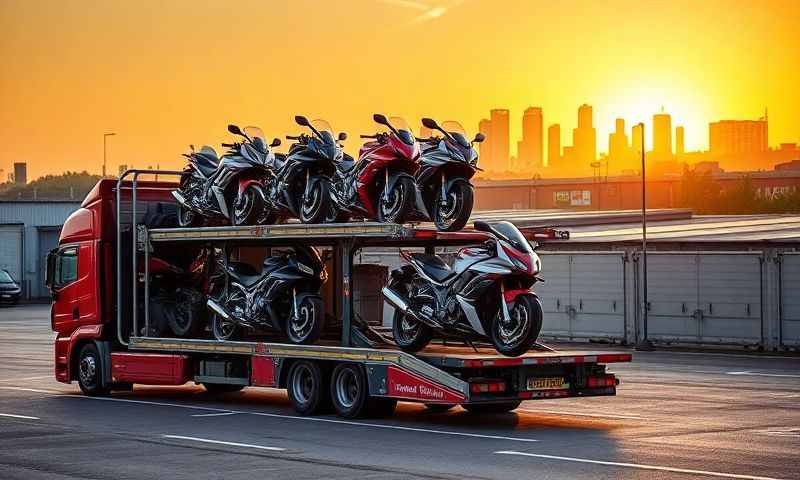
<point x="90" y="371"/>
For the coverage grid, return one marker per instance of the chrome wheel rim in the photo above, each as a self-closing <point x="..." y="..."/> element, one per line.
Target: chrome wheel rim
<point x="409" y="328"/>
<point x="87" y="368"/>
<point x="311" y="202"/>
<point x="302" y="325"/>
<point x="302" y="383"/>
<point x="391" y="204"/>
<point x="511" y="331"/>
<point x="346" y="388"/>
<point x="223" y="329"/>
<point x="244" y="204"/>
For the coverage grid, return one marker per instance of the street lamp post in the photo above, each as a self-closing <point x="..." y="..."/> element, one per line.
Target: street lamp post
<point x="644" y="343"/>
<point x="105" y="136"/>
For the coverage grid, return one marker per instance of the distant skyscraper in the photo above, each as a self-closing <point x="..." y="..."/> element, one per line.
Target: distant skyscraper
<point x="500" y="140"/>
<point x="553" y="145"/>
<point x="20" y="173"/>
<point x="529" y="150"/>
<point x="731" y="137"/>
<point x="679" y="141"/>
<point x="662" y="135"/>
<point x="618" y="147"/>
<point x="485" y="147"/>
<point x="636" y="139"/>
<point x="584" y="138"/>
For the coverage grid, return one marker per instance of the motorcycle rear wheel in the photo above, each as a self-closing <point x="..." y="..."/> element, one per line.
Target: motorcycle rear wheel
<point x="517" y="336"/>
<point x="222" y="329"/>
<point x="249" y="206"/>
<point x="409" y="334"/>
<point x="452" y="216"/>
<point x="399" y="204"/>
<point x="189" y="309"/>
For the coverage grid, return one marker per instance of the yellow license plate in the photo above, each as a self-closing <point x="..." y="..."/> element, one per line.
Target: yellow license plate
<point x="547" y="383"/>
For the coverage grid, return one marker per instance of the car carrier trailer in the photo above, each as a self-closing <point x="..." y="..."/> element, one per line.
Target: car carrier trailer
<point x="358" y="372"/>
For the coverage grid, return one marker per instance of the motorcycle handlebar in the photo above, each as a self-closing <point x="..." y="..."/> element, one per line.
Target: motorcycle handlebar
<point x="369" y="136"/>
<point x="292" y="137"/>
<point x="229" y="145"/>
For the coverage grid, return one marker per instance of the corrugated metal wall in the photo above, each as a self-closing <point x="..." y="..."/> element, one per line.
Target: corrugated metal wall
<point x="789" y="317"/>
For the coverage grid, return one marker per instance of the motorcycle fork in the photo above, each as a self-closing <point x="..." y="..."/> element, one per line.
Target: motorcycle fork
<point x="306" y="191"/>
<point x="503" y="306"/>
<point x="443" y="200"/>
<point x="386" y="186"/>
<point x="295" y="309"/>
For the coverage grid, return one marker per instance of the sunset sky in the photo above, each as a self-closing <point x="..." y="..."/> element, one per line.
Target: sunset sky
<point x="163" y="74"/>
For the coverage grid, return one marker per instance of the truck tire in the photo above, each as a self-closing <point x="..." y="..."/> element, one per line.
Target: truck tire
<point x="483" y="408"/>
<point x="308" y="388"/>
<point x="349" y="391"/>
<point x="89" y="366"/>
<point x="221" y="388"/>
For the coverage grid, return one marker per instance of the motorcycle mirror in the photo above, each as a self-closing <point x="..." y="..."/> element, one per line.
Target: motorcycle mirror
<point x="430" y="123"/>
<point x="381" y="119"/>
<point x="342" y="136"/>
<point x="301" y="120"/>
<point x="275" y="142"/>
<point x="479" y="137"/>
<point x="235" y="130"/>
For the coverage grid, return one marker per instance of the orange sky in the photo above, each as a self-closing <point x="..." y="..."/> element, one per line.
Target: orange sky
<point x="165" y="74"/>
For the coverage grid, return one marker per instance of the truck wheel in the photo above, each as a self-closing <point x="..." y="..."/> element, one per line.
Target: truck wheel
<point x="439" y="407"/>
<point x="308" y="388"/>
<point x="220" y="388"/>
<point x="503" y="407"/>
<point x="89" y="371"/>
<point x="349" y="391"/>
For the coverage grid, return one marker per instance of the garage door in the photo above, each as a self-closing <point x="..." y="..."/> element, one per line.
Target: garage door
<point x="11" y="252"/>
<point x="790" y="299"/>
<point x="705" y="298"/>
<point x="48" y="240"/>
<point x="583" y="295"/>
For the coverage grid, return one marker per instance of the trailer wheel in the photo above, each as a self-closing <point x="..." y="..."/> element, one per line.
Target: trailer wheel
<point x="308" y="388"/>
<point x="439" y="407"/>
<point x="349" y="391"/>
<point x="503" y="407"/>
<point x="89" y="371"/>
<point x="220" y="388"/>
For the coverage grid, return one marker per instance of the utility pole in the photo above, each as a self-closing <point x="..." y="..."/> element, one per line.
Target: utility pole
<point x="105" y="136"/>
<point x="644" y="344"/>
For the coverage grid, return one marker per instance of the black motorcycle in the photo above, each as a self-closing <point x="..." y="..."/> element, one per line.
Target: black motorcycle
<point x="485" y="296"/>
<point x="302" y="184"/>
<point x="283" y="296"/>
<point x="444" y="193"/>
<point x="231" y="189"/>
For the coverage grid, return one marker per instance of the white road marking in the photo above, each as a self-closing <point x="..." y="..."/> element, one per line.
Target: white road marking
<point x="220" y="414"/>
<point x="220" y="442"/>
<point x="35" y="390"/>
<point x="24" y="417"/>
<point x="637" y="465"/>
<point x="581" y="414"/>
<point x="25" y="379"/>
<point x="747" y="372"/>
<point x="309" y="419"/>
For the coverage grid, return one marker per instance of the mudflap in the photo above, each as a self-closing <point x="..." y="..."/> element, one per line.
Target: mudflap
<point x="104" y="349"/>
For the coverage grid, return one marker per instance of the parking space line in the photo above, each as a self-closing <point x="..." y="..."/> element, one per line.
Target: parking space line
<point x="24" y="417"/>
<point x="221" y="442"/>
<point x="220" y="414"/>
<point x="25" y="379"/>
<point x="637" y="465"/>
<point x="749" y="373"/>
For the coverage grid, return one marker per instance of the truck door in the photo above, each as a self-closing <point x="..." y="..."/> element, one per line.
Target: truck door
<point x="62" y="278"/>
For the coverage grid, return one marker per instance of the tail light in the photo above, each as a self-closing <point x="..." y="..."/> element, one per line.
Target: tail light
<point x="488" y="387"/>
<point x="603" y="381"/>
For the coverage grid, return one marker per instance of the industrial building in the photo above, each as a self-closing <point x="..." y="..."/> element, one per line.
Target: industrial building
<point x="28" y="231"/>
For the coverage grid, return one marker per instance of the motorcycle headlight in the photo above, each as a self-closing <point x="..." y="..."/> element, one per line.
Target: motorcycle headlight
<point x="537" y="265"/>
<point x="305" y="268"/>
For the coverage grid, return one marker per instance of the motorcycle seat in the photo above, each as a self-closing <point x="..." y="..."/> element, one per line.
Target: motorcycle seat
<point x="433" y="266"/>
<point x="244" y="273"/>
<point x="206" y="161"/>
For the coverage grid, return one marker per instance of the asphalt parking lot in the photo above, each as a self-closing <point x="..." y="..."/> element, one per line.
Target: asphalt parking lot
<point x="676" y="415"/>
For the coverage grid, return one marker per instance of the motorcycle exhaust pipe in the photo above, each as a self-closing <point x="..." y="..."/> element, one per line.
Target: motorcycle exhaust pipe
<point x="399" y="302"/>
<point x="218" y="309"/>
<point x="179" y="197"/>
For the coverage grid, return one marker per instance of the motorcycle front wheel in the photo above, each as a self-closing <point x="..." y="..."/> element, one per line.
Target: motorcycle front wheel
<point x="409" y="334"/>
<point x="306" y="326"/>
<point x="516" y="336"/>
<point x="400" y="202"/>
<point x="187" y="217"/>
<point x="222" y="329"/>
<point x="316" y="203"/>
<point x="249" y="205"/>
<point x="452" y="213"/>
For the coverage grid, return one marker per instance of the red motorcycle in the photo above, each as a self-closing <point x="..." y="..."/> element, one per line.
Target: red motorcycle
<point x="380" y="185"/>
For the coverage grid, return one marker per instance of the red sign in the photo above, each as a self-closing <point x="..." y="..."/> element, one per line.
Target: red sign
<point x="406" y="385"/>
<point x="262" y="371"/>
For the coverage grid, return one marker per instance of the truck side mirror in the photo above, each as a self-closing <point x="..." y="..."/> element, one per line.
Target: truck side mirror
<point x="51" y="268"/>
